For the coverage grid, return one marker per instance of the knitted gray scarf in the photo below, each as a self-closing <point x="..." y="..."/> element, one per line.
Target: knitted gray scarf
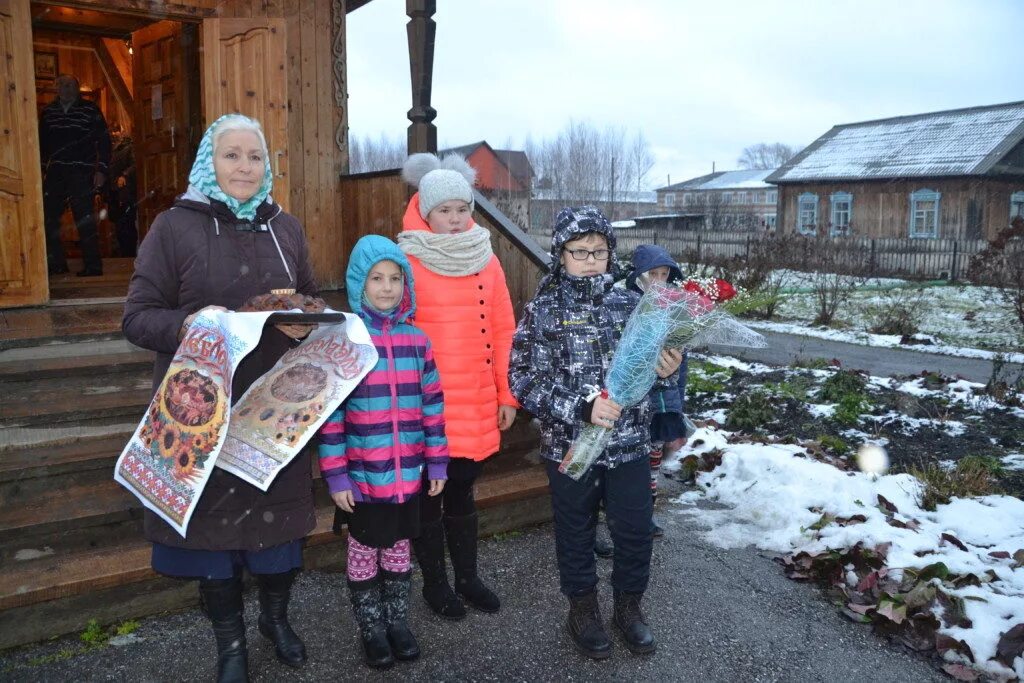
<point x="454" y="255"/>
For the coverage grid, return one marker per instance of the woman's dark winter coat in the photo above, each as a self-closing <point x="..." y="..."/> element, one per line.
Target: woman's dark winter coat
<point x="199" y="254"/>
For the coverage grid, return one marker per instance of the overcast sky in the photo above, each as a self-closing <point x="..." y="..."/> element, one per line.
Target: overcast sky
<point x="701" y="79"/>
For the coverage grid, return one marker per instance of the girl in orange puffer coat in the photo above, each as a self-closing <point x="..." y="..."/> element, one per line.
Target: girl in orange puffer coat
<point x="464" y="306"/>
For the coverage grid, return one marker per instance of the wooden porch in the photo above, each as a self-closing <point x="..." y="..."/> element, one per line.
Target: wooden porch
<point x="72" y="389"/>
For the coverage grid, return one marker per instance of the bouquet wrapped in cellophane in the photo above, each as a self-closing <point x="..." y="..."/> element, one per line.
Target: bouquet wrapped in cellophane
<point x="667" y="316"/>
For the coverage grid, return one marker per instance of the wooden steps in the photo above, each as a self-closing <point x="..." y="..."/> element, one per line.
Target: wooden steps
<point x="61" y="367"/>
<point x="71" y="545"/>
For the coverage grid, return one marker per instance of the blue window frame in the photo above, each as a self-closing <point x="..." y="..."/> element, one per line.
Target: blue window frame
<point x="1016" y="205"/>
<point x="807" y="214"/>
<point x="924" y="214"/>
<point x="842" y="213"/>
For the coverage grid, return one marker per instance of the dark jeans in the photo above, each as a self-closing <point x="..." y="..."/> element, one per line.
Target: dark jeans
<point x="64" y="186"/>
<point x="626" y="493"/>
<point x="456" y="500"/>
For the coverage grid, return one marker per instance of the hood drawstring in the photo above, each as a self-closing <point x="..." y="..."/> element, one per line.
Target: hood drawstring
<point x="216" y="225"/>
<point x="276" y="244"/>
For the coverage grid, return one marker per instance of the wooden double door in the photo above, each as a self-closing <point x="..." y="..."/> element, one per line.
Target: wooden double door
<point x="179" y="89"/>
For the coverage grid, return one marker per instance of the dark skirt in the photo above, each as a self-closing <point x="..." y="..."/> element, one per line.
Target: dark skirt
<point x="380" y="525"/>
<point x="667" y="427"/>
<point x="186" y="563"/>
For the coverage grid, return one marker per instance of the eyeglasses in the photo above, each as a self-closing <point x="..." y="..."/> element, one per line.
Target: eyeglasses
<point x="584" y="254"/>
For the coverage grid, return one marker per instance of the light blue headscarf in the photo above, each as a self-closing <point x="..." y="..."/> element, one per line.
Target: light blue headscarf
<point x="203" y="177"/>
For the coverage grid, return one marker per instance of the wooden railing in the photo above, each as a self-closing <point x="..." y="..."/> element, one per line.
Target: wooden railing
<point x="374" y="203"/>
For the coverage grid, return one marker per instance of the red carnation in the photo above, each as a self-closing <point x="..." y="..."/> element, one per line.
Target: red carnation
<point x="725" y="290"/>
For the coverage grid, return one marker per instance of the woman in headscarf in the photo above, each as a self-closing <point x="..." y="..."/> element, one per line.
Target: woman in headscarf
<point x="223" y="242"/>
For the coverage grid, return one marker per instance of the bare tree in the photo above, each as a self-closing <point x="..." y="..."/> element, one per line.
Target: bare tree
<point x="765" y="156"/>
<point x="711" y="205"/>
<point x="584" y="164"/>
<point x="641" y="161"/>
<point x="369" y="154"/>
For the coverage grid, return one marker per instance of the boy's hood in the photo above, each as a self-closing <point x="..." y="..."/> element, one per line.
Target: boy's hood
<point x="368" y="252"/>
<point x="647" y="257"/>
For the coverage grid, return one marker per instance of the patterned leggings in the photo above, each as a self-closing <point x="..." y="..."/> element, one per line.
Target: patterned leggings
<point x="657" y="451"/>
<point x="364" y="560"/>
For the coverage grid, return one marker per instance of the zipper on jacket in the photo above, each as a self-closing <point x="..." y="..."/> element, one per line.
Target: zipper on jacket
<point x="392" y="384"/>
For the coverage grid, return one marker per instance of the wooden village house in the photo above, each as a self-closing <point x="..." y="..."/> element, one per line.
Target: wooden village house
<point x="728" y="200"/>
<point x="503" y="175"/>
<point x="71" y="389"/>
<point x="955" y="174"/>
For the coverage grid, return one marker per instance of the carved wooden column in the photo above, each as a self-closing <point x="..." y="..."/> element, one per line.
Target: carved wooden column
<point x="340" y="68"/>
<point x="421" y="29"/>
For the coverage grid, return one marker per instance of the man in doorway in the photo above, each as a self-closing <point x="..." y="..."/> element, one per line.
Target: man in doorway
<point x="75" y="146"/>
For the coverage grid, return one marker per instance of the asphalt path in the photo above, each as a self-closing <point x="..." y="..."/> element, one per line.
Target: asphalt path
<point x="786" y="349"/>
<point x="719" y="615"/>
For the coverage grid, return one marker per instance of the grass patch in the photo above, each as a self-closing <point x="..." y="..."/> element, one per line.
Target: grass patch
<point x="971" y="477"/>
<point x="94" y="634"/>
<point x="128" y="627"/>
<point x="55" y="657"/>
<point x="797" y="388"/>
<point x="840" y="384"/>
<point x="834" y="444"/>
<point x="706" y="378"/>
<point x="813" y="363"/>
<point x="850" y="408"/>
<point x="750" y="411"/>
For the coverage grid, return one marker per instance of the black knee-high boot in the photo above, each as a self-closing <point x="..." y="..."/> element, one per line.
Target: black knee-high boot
<point x="369" y="613"/>
<point x="275" y="591"/>
<point x="394" y="597"/>
<point x="461" y="533"/>
<point x="223" y="601"/>
<point x="438" y="593"/>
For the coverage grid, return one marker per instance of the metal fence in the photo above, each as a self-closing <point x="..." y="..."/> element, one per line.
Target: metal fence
<point x="926" y="259"/>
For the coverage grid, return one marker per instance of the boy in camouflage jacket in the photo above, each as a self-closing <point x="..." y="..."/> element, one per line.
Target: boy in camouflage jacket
<point x="561" y="351"/>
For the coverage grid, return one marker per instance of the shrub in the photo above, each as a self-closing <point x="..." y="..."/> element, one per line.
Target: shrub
<point x="1001" y="265"/>
<point x="971" y="477"/>
<point x="899" y="311"/>
<point x="796" y="387"/>
<point x="750" y="411"/>
<point x="840" y="384"/>
<point x="851" y="406"/>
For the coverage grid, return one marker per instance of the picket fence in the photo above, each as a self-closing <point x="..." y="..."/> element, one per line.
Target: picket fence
<point x="923" y="259"/>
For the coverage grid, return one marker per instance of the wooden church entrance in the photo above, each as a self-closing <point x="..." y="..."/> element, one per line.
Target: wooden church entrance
<point x="143" y="74"/>
<point x="140" y="62"/>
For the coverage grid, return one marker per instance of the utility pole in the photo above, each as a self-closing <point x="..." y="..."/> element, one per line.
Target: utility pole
<point x="612" y="208"/>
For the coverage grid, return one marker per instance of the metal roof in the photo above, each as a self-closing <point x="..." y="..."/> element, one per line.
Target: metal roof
<point x="960" y="142"/>
<point x="753" y="179"/>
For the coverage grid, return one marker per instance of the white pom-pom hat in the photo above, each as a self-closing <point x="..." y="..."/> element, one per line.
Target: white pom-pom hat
<point x="439" y="180"/>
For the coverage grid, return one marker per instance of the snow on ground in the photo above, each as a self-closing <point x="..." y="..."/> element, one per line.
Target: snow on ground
<point x="772" y="496"/>
<point x="960" y="316"/>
